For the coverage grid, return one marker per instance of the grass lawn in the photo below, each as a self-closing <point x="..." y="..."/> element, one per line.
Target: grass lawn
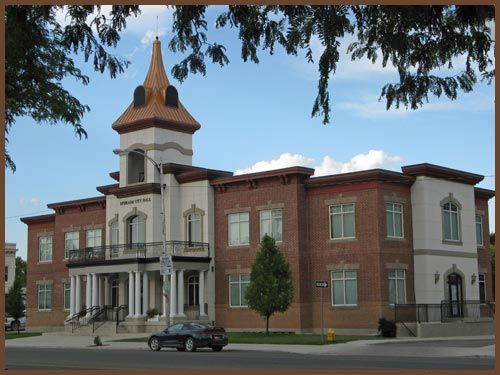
<point x="277" y="338"/>
<point x="20" y="335"/>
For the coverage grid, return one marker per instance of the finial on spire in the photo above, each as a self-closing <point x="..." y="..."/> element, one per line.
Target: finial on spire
<point x="156" y="27"/>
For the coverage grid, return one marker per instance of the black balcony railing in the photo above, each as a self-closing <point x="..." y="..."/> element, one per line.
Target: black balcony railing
<point x="139" y="250"/>
<point x="446" y="311"/>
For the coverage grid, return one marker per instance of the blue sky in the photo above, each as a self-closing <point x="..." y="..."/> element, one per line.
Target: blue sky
<point x="253" y="117"/>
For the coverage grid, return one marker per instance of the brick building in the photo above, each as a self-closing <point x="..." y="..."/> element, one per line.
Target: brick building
<point x="380" y="238"/>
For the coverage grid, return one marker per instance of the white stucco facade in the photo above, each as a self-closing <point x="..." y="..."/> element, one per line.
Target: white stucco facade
<point x="10" y="265"/>
<point x="434" y="256"/>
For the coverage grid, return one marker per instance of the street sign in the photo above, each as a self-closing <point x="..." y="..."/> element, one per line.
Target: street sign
<point x="321" y="284"/>
<point x="165" y="265"/>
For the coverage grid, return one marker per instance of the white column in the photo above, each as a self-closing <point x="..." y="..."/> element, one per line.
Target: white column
<point x="131" y="293"/>
<point x="106" y="290"/>
<point x="95" y="290"/>
<point x="202" y="293"/>
<point x="78" y="297"/>
<point x="164" y="298"/>
<point x="88" y="295"/>
<point x="145" y="293"/>
<point x="173" y="293"/>
<point x="137" y="294"/>
<point x="72" y="296"/>
<point x="180" y="307"/>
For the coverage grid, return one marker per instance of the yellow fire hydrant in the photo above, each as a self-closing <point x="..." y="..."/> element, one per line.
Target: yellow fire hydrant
<point x="330" y="335"/>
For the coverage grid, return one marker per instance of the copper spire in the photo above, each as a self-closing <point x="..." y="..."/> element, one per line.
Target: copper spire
<point x="156" y="77"/>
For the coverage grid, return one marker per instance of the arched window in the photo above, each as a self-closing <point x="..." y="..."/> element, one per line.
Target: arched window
<point x="136" y="228"/>
<point x="451" y="220"/>
<point x="136" y="165"/>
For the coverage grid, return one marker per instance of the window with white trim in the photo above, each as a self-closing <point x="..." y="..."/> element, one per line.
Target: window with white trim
<point x="94" y="237"/>
<point x="479" y="230"/>
<point x="482" y="287"/>
<point x="71" y="242"/>
<point x="397" y="287"/>
<point x="44" y="297"/>
<point x="114" y="233"/>
<point x="66" y="296"/>
<point x="238" y="228"/>
<point x="193" y="227"/>
<point x="451" y="222"/>
<point x="394" y="219"/>
<point x="136" y="229"/>
<point x="271" y="223"/>
<point x="342" y="221"/>
<point x="344" y="287"/>
<point x="238" y="285"/>
<point x="45" y="249"/>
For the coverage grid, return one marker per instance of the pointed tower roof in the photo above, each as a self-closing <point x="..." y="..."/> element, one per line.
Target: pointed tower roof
<point x="155" y="103"/>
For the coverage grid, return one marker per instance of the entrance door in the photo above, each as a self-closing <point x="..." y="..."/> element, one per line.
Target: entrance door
<point x="193" y="290"/>
<point x="114" y="293"/>
<point x="455" y="295"/>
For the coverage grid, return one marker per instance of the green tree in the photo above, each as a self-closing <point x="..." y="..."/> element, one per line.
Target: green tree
<point x="14" y="303"/>
<point x="38" y="52"/>
<point x="421" y="42"/>
<point x="21" y="271"/>
<point x="270" y="289"/>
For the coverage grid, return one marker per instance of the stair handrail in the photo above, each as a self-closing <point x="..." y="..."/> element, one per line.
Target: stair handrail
<point x="120" y="308"/>
<point x="99" y="313"/>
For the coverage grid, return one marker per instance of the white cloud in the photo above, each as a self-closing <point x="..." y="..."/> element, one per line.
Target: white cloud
<point x="35" y="201"/>
<point x="285" y="160"/>
<point x="149" y="36"/>
<point x="372" y="159"/>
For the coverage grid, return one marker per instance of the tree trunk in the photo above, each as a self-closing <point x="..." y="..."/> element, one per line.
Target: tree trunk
<point x="267" y="325"/>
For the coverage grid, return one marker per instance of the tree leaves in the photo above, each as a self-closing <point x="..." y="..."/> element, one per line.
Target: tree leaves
<point x="37" y="59"/>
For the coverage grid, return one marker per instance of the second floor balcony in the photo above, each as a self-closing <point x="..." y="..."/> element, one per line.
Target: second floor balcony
<point x="92" y="255"/>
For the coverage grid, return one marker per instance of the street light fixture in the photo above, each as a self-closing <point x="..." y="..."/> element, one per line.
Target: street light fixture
<point x="159" y="168"/>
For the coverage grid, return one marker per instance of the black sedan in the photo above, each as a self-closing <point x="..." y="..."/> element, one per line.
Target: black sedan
<point x="188" y="337"/>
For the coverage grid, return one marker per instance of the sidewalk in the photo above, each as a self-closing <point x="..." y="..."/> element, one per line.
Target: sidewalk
<point x="360" y="347"/>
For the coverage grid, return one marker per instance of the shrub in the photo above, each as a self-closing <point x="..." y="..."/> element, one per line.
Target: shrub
<point x="387" y="328"/>
<point x="152" y="312"/>
<point x="97" y="341"/>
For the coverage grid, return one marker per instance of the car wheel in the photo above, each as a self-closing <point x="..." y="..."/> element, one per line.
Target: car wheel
<point x="180" y="349"/>
<point x="217" y="348"/>
<point x="189" y="344"/>
<point x="154" y="344"/>
<point x="14" y="326"/>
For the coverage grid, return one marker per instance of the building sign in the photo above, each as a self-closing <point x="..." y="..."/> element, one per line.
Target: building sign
<point x="165" y="265"/>
<point x="321" y="284"/>
<point x="135" y="201"/>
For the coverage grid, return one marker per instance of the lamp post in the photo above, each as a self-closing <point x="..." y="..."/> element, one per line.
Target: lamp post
<point x="159" y="168"/>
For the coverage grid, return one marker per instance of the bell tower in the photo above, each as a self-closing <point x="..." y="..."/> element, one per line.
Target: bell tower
<point x="155" y="124"/>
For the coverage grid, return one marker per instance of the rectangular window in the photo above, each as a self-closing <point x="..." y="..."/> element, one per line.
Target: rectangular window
<point x="45" y="249"/>
<point x="113" y="234"/>
<point x="94" y="237"/>
<point x="71" y="242"/>
<point x="44" y="297"/>
<point x="344" y="288"/>
<point x="482" y="288"/>
<point x="194" y="227"/>
<point x="271" y="223"/>
<point x="394" y="219"/>
<point x="238" y="285"/>
<point x="397" y="287"/>
<point x="479" y="230"/>
<point x="342" y="221"/>
<point x="239" y="229"/>
<point x="67" y="295"/>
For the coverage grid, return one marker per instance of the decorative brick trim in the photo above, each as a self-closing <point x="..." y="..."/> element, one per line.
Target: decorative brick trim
<point x="71" y="229"/>
<point x="269" y="206"/>
<point x="394" y="198"/>
<point x="44" y="282"/>
<point x="93" y="226"/>
<point x="396" y="266"/>
<point x="238" y="271"/>
<point x="45" y="234"/>
<point x="342" y="266"/>
<point x="237" y="209"/>
<point x="341" y="199"/>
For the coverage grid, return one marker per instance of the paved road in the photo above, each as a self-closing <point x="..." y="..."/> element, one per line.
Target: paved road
<point x="57" y="358"/>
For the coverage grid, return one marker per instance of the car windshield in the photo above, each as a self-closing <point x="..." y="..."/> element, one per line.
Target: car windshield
<point x="199" y="326"/>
